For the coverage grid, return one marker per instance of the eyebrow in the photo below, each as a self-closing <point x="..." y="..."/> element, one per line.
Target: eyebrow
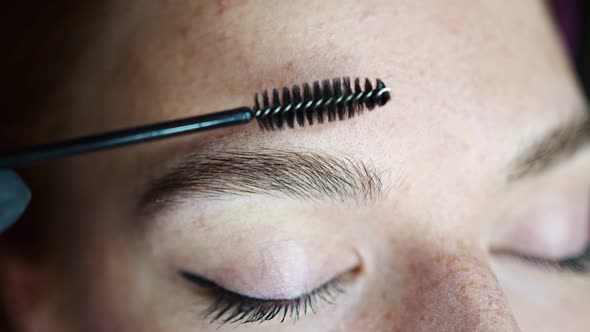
<point x="303" y="175"/>
<point x="559" y="145"/>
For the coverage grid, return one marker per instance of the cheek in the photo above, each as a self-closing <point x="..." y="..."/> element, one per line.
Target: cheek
<point x="115" y="286"/>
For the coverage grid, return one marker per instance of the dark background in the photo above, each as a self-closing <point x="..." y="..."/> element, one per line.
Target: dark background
<point x="572" y="17"/>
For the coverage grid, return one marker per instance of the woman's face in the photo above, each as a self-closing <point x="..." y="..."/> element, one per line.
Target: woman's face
<point x="461" y="205"/>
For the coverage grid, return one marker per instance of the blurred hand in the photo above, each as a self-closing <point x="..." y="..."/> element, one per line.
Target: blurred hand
<point x="14" y="198"/>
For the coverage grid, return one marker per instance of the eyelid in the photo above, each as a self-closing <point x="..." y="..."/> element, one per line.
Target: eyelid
<point x="231" y="307"/>
<point x="552" y="224"/>
<point x="558" y="235"/>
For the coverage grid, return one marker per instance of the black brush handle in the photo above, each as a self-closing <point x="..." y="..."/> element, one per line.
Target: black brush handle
<point x="125" y="137"/>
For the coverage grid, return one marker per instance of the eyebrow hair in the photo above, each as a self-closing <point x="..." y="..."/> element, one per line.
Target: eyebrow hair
<point x="557" y="146"/>
<point x="301" y="175"/>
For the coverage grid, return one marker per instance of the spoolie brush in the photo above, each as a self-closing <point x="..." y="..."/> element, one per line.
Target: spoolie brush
<point x="337" y="99"/>
<point x="329" y="100"/>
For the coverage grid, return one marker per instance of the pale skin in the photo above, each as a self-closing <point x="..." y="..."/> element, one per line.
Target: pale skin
<point x="474" y="84"/>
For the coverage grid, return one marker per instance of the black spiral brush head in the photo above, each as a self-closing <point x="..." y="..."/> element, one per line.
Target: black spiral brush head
<point x="333" y="100"/>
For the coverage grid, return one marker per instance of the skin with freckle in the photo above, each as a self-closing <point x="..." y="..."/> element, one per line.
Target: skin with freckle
<point x="473" y="83"/>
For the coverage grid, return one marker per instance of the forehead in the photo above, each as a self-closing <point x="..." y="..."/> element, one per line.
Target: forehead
<point x="468" y="83"/>
<point x="198" y="57"/>
<point x="163" y="60"/>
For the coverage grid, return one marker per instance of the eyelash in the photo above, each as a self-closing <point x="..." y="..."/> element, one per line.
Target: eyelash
<point x="579" y="264"/>
<point x="231" y="307"/>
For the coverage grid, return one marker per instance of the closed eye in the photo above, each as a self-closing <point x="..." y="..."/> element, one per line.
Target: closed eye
<point x="578" y="264"/>
<point x="231" y="307"/>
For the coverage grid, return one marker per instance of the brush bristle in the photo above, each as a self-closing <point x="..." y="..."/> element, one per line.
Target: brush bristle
<point x="337" y="99"/>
